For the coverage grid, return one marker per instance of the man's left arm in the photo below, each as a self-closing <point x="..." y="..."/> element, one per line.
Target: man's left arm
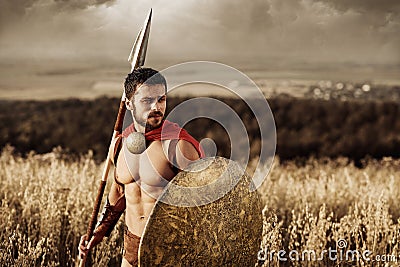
<point x="186" y="153"/>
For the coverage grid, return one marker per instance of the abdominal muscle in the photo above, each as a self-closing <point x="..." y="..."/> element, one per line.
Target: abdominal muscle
<point x="138" y="209"/>
<point x="144" y="176"/>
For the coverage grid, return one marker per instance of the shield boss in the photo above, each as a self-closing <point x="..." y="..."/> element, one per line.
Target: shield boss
<point x="207" y="216"/>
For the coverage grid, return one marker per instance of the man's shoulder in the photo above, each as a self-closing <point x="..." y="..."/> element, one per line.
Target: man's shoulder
<point x="187" y="150"/>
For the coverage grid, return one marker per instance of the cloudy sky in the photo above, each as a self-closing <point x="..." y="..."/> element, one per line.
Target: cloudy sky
<point x="355" y="31"/>
<point x="257" y="33"/>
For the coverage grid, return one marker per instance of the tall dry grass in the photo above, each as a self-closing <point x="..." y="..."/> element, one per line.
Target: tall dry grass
<point x="46" y="202"/>
<point x="315" y="206"/>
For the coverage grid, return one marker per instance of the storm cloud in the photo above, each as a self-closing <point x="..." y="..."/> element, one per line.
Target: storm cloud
<point x="261" y="31"/>
<point x="11" y="10"/>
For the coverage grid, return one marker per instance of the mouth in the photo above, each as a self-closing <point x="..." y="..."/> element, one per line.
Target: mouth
<point x="155" y="116"/>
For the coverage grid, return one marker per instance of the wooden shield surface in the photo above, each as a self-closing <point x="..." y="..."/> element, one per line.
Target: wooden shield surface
<point x="191" y="228"/>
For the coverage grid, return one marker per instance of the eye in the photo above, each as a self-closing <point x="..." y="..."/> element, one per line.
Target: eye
<point x="162" y="99"/>
<point x="146" y="100"/>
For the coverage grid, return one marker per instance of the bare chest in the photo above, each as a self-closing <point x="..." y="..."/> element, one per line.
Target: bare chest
<point x="150" y="169"/>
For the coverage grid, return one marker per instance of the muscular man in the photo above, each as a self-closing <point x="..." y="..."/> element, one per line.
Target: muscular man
<point x="140" y="178"/>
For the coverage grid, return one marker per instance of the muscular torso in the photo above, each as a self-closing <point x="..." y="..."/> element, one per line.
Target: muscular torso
<point x="144" y="177"/>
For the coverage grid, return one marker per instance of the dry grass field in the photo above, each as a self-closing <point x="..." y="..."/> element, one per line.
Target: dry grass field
<point x="46" y="201"/>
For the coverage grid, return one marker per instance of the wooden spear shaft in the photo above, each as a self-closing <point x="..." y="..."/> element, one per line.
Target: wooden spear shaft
<point x="103" y="182"/>
<point x="136" y="58"/>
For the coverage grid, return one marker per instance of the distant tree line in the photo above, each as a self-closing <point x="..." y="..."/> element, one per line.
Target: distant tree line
<point x="305" y="127"/>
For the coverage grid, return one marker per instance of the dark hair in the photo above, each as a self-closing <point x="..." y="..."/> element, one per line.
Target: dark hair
<point x="141" y="76"/>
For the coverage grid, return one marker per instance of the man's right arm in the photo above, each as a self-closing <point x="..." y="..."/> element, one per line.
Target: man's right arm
<point x="115" y="204"/>
<point x="114" y="207"/>
<point x="112" y="210"/>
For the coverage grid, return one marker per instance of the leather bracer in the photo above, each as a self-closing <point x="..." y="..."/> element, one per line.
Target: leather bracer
<point x="110" y="216"/>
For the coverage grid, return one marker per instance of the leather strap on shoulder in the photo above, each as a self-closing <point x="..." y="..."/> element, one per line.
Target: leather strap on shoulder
<point x="172" y="155"/>
<point x="115" y="149"/>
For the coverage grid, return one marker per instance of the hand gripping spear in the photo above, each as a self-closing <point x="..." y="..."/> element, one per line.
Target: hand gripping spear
<point x="136" y="58"/>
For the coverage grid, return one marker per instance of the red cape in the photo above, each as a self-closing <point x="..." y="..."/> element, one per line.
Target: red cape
<point x="167" y="131"/>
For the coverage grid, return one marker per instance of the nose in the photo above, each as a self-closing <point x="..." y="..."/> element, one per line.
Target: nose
<point x="155" y="106"/>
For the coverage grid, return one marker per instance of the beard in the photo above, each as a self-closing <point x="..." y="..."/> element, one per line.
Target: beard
<point x="152" y="121"/>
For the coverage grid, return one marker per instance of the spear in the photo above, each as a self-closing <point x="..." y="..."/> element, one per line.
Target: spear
<point x="136" y="59"/>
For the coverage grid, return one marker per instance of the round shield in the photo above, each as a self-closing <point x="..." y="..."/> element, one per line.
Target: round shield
<point x="208" y="215"/>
